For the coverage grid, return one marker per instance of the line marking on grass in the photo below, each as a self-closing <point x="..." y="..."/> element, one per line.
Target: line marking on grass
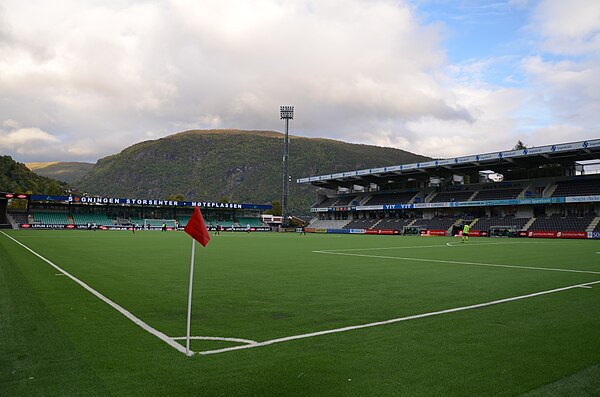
<point x="585" y="286"/>
<point x="59" y="274"/>
<point x="218" y="338"/>
<point x="114" y="305"/>
<point x="395" y="320"/>
<point x="455" y="244"/>
<point x="460" y="262"/>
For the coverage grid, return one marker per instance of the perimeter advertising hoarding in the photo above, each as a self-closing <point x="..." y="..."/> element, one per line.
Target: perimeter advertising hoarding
<point x="593" y="234"/>
<point x="433" y="232"/>
<point x="384" y="231"/>
<point x="150" y="202"/>
<point x="553" y="234"/>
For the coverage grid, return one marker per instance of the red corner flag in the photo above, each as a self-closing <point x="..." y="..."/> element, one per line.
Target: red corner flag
<point x="197" y="229"/>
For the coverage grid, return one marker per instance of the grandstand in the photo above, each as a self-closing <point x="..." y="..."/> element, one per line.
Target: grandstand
<point x="94" y="219"/>
<point x="539" y="189"/>
<point x="507" y="222"/>
<point x="562" y="224"/>
<point x="71" y="212"/>
<point x="391" y="198"/>
<point x="253" y="222"/>
<point x="445" y="197"/>
<point x="50" y="218"/>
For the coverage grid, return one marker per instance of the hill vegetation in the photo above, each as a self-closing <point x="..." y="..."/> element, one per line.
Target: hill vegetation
<point x="62" y="171"/>
<point x="15" y="177"/>
<point x="232" y="165"/>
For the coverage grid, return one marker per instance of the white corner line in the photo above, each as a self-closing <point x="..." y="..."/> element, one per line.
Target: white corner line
<point x="549" y="269"/>
<point x="103" y="298"/>
<point x="218" y="338"/>
<point x="394" y="320"/>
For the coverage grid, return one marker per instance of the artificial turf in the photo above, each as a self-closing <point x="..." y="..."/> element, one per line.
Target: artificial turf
<point x="58" y="339"/>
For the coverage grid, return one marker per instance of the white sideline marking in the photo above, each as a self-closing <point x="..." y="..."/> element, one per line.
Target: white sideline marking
<point x="395" y="320"/>
<point x="434" y="246"/>
<point x="460" y="263"/>
<point x="585" y="286"/>
<point x="240" y="340"/>
<point x="119" y="308"/>
<point x="59" y="274"/>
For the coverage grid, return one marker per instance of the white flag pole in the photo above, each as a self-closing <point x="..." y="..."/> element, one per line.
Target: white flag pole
<point x="189" y="311"/>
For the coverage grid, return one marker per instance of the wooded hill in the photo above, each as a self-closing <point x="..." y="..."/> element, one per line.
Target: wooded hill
<point x="17" y="178"/>
<point x="236" y="165"/>
<point x="61" y="171"/>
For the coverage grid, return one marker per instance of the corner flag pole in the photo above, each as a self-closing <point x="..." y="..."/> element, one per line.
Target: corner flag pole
<point x="196" y="228"/>
<point x="189" y="311"/>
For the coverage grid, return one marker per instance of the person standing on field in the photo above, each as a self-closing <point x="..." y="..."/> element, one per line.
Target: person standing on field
<point x="465" y="233"/>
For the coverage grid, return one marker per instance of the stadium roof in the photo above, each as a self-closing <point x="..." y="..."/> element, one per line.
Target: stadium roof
<point x="562" y="153"/>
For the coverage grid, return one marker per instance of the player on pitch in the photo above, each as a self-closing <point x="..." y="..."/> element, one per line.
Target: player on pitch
<point x="465" y="233"/>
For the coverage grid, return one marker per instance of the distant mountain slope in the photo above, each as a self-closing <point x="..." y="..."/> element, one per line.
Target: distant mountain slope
<point x="242" y="166"/>
<point x="63" y="171"/>
<point x="17" y="178"/>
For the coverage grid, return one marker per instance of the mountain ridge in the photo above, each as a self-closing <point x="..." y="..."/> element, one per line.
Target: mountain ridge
<point x="231" y="165"/>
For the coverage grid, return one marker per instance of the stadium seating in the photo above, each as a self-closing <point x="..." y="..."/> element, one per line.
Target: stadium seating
<point x="51" y="218"/>
<point x="328" y="224"/>
<point x="226" y="224"/>
<point x="361" y="224"/>
<point x="137" y="221"/>
<point x="497" y="194"/>
<point x="577" y="187"/>
<point x="98" y="219"/>
<point x="508" y="221"/>
<point x="562" y="224"/>
<point x="159" y="222"/>
<point x="391" y="198"/>
<point x="434" y="223"/>
<point x="345" y="201"/>
<point x="19" y="217"/>
<point x="183" y="220"/>
<point x="393" y="224"/>
<point x="328" y="202"/>
<point x="444" y="197"/>
<point x="253" y="222"/>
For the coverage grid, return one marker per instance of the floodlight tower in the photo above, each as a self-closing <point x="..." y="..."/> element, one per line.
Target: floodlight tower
<point x="287" y="114"/>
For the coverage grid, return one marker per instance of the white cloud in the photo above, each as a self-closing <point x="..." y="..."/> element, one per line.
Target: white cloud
<point x="568" y="27"/>
<point x="99" y="76"/>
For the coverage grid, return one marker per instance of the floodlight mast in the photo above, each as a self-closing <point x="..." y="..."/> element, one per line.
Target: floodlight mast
<point x="286" y="113"/>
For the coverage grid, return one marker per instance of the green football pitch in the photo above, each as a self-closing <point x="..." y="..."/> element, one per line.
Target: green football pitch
<point x="103" y="313"/>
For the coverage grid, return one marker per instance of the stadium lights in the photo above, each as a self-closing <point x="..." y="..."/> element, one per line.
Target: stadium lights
<point x="286" y="113"/>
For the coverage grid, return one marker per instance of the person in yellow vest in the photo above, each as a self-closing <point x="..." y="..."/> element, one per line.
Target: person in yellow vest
<point x="465" y="233"/>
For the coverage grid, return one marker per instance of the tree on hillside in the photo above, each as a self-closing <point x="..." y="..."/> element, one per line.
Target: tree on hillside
<point x="176" y="197"/>
<point x="15" y="177"/>
<point x="520" y="145"/>
<point x="276" y="210"/>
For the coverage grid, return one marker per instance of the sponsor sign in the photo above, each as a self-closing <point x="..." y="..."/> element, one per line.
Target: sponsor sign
<point x="554" y="234"/>
<point x="357" y="231"/>
<point x="382" y="231"/>
<point x="582" y="199"/>
<point x="593" y="234"/>
<point x="338" y="231"/>
<point x="544" y="234"/>
<point x="433" y="232"/>
<point x="14" y="195"/>
<point x="153" y="202"/>
<point x="571" y="235"/>
<point x="369" y="207"/>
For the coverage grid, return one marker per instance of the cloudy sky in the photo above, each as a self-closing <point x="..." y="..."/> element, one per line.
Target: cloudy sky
<point x="82" y="79"/>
